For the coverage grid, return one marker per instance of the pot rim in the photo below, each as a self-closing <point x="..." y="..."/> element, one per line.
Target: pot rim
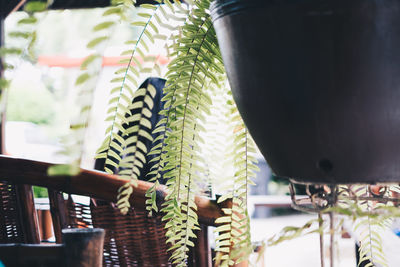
<point x="221" y="8"/>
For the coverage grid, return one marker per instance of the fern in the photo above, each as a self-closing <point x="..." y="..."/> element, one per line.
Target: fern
<point x="369" y="229"/>
<point x="193" y="76"/>
<point x="219" y="132"/>
<point x="126" y="81"/>
<point x="186" y="100"/>
<point x="116" y="148"/>
<point x="371" y="216"/>
<point x="194" y="73"/>
<point x="291" y="232"/>
<point x="118" y="107"/>
<point x="10" y="55"/>
<point x="86" y="82"/>
<point x="235" y="244"/>
<point x="160" y="160"/>
<point x="134" y="154"/>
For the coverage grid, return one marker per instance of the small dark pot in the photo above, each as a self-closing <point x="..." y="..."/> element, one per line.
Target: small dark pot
<point x="317" y="82"/>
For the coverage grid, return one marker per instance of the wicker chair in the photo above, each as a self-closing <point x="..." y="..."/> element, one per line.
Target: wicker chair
<point x="131" y="240"/>
<point x="17" y="225"/>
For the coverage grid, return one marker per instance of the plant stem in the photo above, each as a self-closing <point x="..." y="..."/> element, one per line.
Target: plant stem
<point x="321" y="239"/>
<point x="332" y="241"/>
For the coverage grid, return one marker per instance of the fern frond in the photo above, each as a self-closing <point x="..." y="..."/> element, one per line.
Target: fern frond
<point x="169" y="113"/>
<point x="137" y="129"/>
<point x="369" y="227"/>
<point x="291" y="232"/>
<point x="236" y="244"/>
<point x="123" y="93"/>
<point x="86" y="83"/>
<point x="185" y="105"/>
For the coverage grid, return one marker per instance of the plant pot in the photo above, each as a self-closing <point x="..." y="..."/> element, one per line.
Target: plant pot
<point x="84" y="246"/>
<point x="317" y="83"/>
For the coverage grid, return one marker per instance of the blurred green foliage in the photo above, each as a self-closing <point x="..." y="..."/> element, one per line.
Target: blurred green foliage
<point x="28" y="103"/>
<point x="40" y="192"/>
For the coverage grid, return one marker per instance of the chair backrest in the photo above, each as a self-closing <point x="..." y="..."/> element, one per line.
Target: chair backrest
<point x="11" y="230"/>
<point x="19" y="225"/>
<point x="126" y="242"/>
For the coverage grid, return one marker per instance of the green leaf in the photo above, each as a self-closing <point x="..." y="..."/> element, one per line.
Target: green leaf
<point x="28" y="20"/>
<point x="96" y="41"/>
<point x="9" y="51"/>
<point x="103" y="25"/>
<point x="24" y="35"/>
<point x="145" y="122"/>
<point x="4" y="84"/>
<point x="82" y="78"/>
<point x="225" y="219"/>
<point x="63" y="169"/>
<point x="149" y="6"/>
<point x="111" y="11"/>
<point x="145" y="134"/>
<point x="144" y="15"/>
<point x="88" y="60"/>
<point x="35" y="6"/>
<point x="223" y="228"/>
<point x="139" y="23"/>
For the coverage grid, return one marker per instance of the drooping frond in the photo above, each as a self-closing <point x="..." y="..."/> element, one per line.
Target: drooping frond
<point x="219" y="132"/>
<point x="121" y="97"/>
<point x="370" y="229"/>
<point x="137" y="65"/>
<point x="370" y="219"/>
<point x="86" y="83"/>
<point x="178" y="77"/>
<point x="189" y="79"/>
<point x="133" y="156"/>
<point x="234" y="240"/>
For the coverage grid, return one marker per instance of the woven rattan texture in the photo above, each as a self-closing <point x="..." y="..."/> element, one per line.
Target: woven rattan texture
<point x="10" y="228"/>
<point x="131" y="240"/>
<point x="79" y="215"/>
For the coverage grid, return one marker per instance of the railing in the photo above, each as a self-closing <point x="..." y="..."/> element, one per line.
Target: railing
<point x="92" y="183"/>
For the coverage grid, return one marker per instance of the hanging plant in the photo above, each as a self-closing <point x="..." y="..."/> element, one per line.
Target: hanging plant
<point x="194" y="74"/>
<point x="195" y="77"/>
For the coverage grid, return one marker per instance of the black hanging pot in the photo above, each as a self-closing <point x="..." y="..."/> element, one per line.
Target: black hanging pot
<point x="317" y="83"/>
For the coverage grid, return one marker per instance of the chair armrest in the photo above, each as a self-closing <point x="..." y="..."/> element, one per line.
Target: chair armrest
<point x="91" y="183"/>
